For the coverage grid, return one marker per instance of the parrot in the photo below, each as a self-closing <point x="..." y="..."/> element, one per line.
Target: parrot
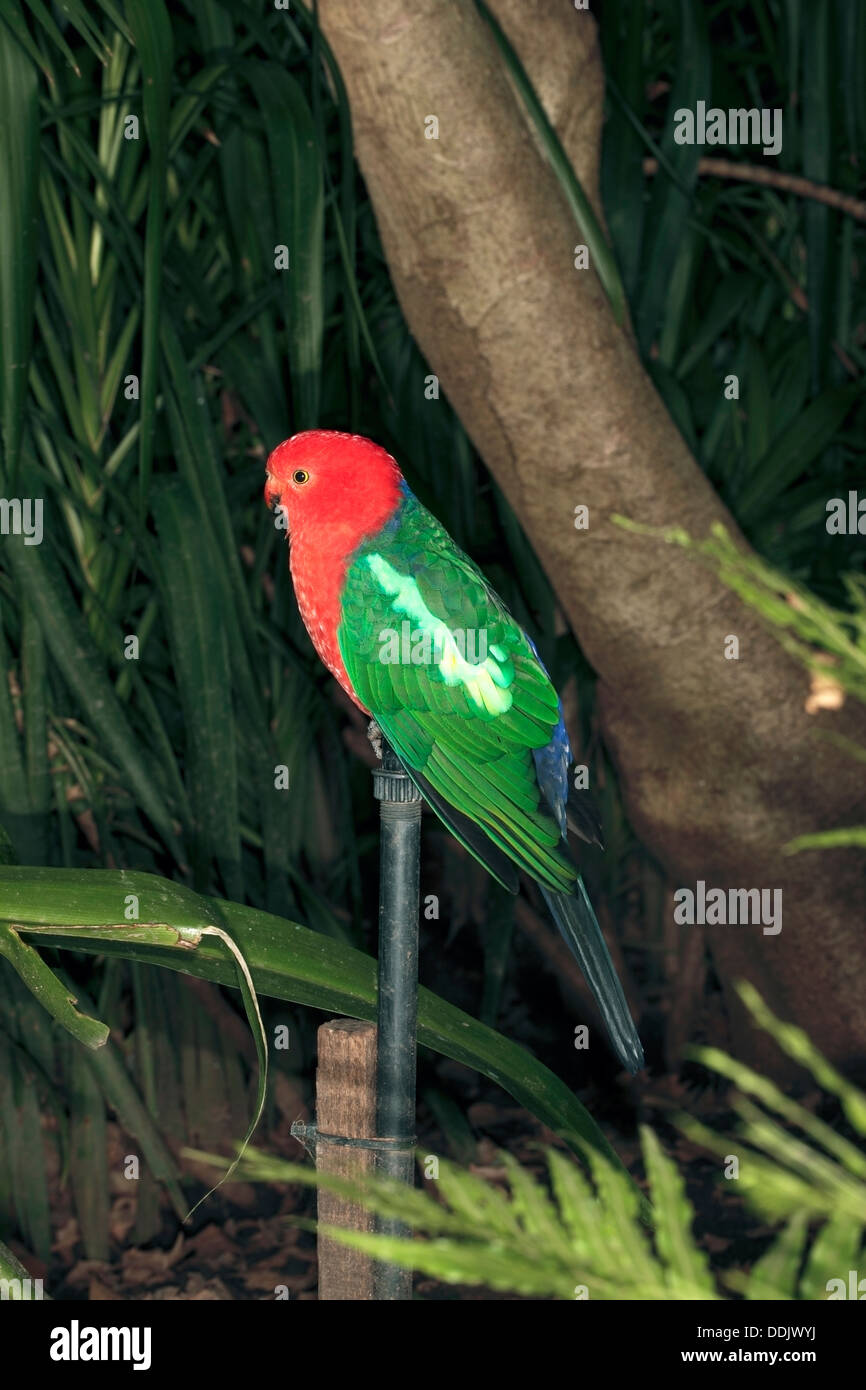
<point x="419" y="640"/>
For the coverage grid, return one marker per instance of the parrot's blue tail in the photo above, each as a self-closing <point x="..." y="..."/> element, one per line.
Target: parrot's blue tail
<point x="577" y="922"/>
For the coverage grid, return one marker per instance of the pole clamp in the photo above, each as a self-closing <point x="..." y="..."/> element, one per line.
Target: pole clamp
<point x="310" y="1135"/>
<point x="391" y="782"/>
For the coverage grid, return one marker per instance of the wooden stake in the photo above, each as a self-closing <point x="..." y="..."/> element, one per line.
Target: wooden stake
<point x="345" y="1105"/>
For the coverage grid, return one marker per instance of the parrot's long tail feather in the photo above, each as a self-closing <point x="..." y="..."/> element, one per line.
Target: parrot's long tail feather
<point x="578" y="924"/>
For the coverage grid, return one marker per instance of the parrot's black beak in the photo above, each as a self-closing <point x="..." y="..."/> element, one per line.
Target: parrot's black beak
<point x="272" y="497"/>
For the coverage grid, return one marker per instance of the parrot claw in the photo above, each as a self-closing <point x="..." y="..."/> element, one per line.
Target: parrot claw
<point x="374" y="734"/>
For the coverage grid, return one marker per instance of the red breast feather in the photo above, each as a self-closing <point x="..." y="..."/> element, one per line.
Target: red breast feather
<point x="351" y="491"/>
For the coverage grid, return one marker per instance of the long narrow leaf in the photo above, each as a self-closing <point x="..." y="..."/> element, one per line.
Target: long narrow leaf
<point x="287" y="962"/>
<point x="19" y="241"/>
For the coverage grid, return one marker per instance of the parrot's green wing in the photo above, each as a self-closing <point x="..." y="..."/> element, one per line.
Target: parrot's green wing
<point x="458" y="692"/>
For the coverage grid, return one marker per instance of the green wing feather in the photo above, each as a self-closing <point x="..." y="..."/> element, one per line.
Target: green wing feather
<point x="464" y="731"/>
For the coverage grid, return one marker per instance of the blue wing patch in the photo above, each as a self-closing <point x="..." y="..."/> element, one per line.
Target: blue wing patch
<point x="551" y="762"/>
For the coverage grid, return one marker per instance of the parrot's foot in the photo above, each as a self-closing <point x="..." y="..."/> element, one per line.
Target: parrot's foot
<point x="374" y="734"/>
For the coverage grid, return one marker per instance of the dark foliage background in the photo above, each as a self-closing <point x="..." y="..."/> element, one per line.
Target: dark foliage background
<point x="154" y="256"/>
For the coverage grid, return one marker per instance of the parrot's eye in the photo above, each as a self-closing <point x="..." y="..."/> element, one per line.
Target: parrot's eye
<point x="300" y="475"/>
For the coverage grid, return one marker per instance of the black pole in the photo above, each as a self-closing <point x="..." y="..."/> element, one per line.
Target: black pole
<point x="399" y="886"/>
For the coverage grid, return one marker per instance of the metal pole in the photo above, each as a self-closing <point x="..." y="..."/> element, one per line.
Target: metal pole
<point x="399" y="886"/>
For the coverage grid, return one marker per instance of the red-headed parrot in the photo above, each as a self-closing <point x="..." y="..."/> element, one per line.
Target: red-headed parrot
<point x="420" y="641"/>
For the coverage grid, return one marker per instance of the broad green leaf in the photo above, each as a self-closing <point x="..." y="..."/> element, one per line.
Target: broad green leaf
<point x="286" y="961"/>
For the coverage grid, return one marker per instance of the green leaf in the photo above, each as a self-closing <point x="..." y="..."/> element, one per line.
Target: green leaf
<point x="42" y="581"/>
<point x="453" y="1123"/>
<point x="727" y="301"/>
<point x="14" y="790"/>
<point x="671" y="199"/>
<point x="835" y="1250"/>
<point x="13" y="15"/>
<point x="853" y="837"/>
<point x="7" y="849"/>
<point x="623" y="40"/>
<point x="76" y="12"/>
<point x="758" y="404"/>
<point x="287" y="962"/>
<point x="199" y="650"/>
<point x="795" y="449"/>
<point x="480" y="1205"/>
<point x="88" y="1154"/>
<point x="459" y="1262"/>
<point x="817" y="141"/>
<point x="296" y="183"/>
<point x="19" y="242"/>
<point x="48" y="989"/>
<point x="151" y="30"/>
<point x="751" y="1083"/>
<point x="774" y="1277"/>
<point x="24" y="1145"/>
<point x="580" y="1212"/>
<point x="115" y="1084"/>
<point x="672" y="1218"/>
<point x="254" y="1018"/>
<point x="12" y="1269"/>
<point x="536" y="1213"/>
<point x="795" y="1042"/>
<point x="600" y="255"/>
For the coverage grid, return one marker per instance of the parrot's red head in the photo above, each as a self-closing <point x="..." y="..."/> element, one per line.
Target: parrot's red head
<point x="333" y="487"/>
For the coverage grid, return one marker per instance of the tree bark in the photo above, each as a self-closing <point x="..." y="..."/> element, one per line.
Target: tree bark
<point x="719" y="763"/>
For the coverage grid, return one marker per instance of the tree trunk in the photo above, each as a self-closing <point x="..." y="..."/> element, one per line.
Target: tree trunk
<point x="719" y="763"/>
